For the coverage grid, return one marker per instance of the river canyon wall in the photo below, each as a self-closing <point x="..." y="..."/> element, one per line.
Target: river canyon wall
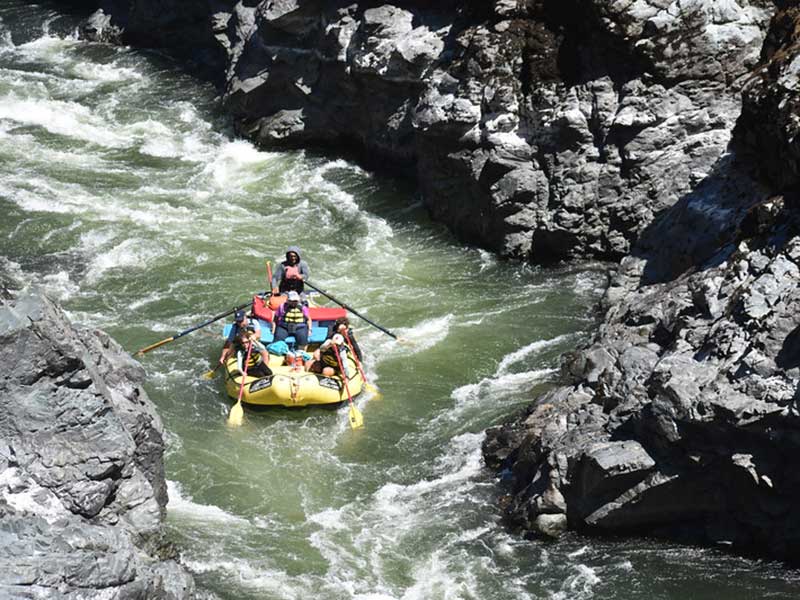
<point x="82" y="487"/>
<point x="660" y="134"/>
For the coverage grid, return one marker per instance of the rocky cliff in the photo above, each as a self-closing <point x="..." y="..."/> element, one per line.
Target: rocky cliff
<point x="82" y="488"/>
<point x="660" y="133"/>
<point x="682" y="418"/>
<point x="541" y="129"/>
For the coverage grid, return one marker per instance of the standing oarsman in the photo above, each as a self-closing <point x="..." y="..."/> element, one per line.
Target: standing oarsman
<point x="291" y="273"/>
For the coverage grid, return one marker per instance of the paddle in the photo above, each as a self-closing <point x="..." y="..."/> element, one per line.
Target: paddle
<point x="191" y="329"/>
<point x="210" y="374"/>
<point x="370" y="388"/>
<point x="356" y="419"/>
<point x="237" y="412"/>
<point x="352" y="310"/>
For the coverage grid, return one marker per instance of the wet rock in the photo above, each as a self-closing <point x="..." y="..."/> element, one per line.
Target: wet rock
<point x="81" y="464"/>
<point x="551" y="525"/>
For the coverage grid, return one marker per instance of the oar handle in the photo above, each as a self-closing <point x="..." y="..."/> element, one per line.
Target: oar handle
<point x="154" y="346"/>
<point x="352" y="310"/>
<point x="195" y="328"/>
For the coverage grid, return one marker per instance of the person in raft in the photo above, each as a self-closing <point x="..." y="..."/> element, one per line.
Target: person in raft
<point x="290" y="274"/>
<point x="292" y="318"/>
<point x="325" y="359"/>
<point x="342" y="327"/>
<point x="243" y="331"/>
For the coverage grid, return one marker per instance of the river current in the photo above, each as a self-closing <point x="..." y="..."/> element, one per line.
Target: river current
<point x="126" y="196"/>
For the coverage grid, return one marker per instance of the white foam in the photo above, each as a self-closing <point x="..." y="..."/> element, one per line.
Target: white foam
<point x="580" y="585"/>
<point x="526" y="351"/>
<point x="131" y="253"/>
<point x="183" y="506"/>
<point x="579" y="552"/>
<point x="69" y="119"/>
<point x="60" y="286"/>
<point x="232" y="163"/>
<point x="457" y="468"/>
<point x="425" y="335"/>
<point x="105" y="72"/>
<point x="502" y="386"/>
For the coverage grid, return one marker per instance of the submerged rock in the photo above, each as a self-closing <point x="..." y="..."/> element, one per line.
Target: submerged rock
<point x="82" y="487"/>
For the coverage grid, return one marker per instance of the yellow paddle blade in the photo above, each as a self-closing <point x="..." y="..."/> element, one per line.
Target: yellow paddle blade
<point x="356" y="420"/>
<point x="236" y="415"/>
<point x="376" y="394"/>
<point x="209" y="374"/>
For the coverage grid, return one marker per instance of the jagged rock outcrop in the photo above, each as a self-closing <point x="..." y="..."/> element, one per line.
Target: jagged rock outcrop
<point x="82" y="488"/>
<point x="542" y="129"/>
<point x="684" y="415"/>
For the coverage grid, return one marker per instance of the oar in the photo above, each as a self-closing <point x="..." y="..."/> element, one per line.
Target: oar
<point x="352" y="310"/>
<point x="356" y="419"/>
<point x="210" y="374"/>
<point x="191" y="329"/>
<point x="237" y="412"/>
<point x="370" y="388"/>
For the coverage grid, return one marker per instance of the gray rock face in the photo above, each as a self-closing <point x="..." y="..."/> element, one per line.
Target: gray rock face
<point x="541" y="130"/>
<point x="683" y="416"/>
<point x="82" y="488"/>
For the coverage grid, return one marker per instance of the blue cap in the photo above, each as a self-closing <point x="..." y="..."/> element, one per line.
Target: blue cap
<point x="239" y="316"/>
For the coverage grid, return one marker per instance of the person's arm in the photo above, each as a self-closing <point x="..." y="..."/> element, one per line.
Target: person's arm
<point x="307" y="314"/>
<point x="276" y="317"/>
<point x="276" y="278"/>
<point x="303" y="268"/>
<point x="226" y="350"/>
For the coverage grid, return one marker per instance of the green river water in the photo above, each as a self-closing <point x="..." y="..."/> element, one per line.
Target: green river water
<point x="124" y="193"/>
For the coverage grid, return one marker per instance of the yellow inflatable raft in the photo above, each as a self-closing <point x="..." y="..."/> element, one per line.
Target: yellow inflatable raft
<point x="290" y="386"/>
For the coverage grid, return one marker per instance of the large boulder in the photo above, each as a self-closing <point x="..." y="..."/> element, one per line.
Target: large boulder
<point x="82" y="487"/>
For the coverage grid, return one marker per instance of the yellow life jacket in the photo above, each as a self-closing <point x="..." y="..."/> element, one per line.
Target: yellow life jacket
<point x="328" y="356"/>
<point x="294" y="316"/>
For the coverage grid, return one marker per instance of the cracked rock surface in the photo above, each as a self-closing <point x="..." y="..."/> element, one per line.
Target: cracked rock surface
<point x="540" y="129"/>
<point x="683" y="416"/>
<point x="82" y="487"/>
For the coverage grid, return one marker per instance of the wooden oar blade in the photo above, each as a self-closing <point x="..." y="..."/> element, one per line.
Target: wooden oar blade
<point x="355" y="417"/>
<point x="236" y="416"/>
